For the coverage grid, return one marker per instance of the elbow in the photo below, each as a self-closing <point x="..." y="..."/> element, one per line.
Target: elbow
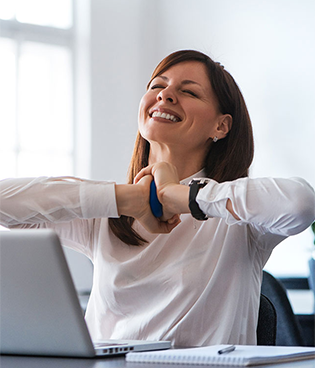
<point x="307" y="212"/>
<point x="302" y="211"/>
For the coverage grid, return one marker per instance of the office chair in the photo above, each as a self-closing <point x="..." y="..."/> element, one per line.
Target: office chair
<point x="289" y="332"/>
<point x="267" y="322"/>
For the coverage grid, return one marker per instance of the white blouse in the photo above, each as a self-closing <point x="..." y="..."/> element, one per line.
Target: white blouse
<point x="198" y="285"/>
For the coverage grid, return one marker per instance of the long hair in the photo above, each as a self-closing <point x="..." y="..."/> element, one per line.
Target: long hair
<point x="227" y="159"/>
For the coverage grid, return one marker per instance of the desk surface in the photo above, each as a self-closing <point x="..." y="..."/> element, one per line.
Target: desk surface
<point x="39" y="362"/>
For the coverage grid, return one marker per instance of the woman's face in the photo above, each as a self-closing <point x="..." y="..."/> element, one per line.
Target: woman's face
<point x="180" y="109"/>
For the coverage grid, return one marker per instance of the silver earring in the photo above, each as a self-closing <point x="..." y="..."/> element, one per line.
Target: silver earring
<point x="215" y="139"/>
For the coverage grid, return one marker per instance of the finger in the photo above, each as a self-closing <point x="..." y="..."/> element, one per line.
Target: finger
<point x="174" y="220"/>
<point x="166" y="227"/>
<point x="145" y="171"/>
<point x="145" y="180"/>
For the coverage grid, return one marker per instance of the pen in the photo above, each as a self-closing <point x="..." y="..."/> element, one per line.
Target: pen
<point x="228" y="349"/>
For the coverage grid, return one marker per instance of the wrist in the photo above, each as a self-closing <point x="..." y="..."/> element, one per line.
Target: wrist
<point x="175" y="198"/>
<point x="128" y="199"/>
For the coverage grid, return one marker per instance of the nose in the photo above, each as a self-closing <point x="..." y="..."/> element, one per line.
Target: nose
<point x="167" y="94"/>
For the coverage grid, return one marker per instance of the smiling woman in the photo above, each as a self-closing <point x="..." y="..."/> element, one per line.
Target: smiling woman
<point x="167" y="278"/>
<point x="193" y="103"/>
<point x="217" y="111"/>
<point x="217" y="95"/>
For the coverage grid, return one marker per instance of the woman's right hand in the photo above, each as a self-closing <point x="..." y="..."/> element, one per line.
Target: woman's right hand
<point x="172" y="195"/>
<point x="133" y="200"/>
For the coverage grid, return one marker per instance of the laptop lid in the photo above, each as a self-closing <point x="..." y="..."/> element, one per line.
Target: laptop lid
<point x="40" y="313"/>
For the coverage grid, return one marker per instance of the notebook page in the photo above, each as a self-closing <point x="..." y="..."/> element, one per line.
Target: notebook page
<point x="243" y="355"/>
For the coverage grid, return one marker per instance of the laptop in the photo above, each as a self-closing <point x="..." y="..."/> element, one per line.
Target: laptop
<point x="40" y="313"/>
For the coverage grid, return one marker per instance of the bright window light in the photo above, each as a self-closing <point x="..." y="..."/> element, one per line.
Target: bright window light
<point x="7" y="9"/>
<point x="53" y="13"/>
<point x="30" y="164"/>
<point x="7" y="164"/>
<point x="36" y="116"/>
<point x="45" y="106"/>
<point x="7" y="95"/>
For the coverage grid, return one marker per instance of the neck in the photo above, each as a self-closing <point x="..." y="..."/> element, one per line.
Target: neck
<point x="186" y="163"/>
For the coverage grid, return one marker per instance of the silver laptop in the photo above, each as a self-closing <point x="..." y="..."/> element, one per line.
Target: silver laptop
<point x="40" y="313"/>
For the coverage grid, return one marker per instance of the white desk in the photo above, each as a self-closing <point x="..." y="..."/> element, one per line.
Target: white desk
<point x="116" y="362"/>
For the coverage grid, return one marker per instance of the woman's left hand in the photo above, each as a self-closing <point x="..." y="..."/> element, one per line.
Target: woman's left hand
<point x="172" y="195"/>
<point x="133" y="200"/>
<point x="148" y="220"/>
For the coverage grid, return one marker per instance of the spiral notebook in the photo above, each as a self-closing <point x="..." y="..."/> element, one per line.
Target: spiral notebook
<point x="243" y="355"/>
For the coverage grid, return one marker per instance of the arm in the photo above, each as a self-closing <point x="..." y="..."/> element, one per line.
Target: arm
<point x="280" y="206"/>
<point x="66" y="205"/>
<point x="34" y="201"/>
<point x="176" y="197"/>
<point x="173" y="196"/>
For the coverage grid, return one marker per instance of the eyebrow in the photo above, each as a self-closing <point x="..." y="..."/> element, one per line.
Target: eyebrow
<point x="184" y="82"/>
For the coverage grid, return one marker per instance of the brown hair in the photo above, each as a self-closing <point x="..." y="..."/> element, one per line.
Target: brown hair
<point x="227" y="159"/>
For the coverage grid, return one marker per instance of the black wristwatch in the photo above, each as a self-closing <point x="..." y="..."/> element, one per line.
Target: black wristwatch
<point x="195" y="185"/>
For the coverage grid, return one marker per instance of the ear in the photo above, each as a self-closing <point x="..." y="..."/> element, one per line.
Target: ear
<point x="224" y="126"/>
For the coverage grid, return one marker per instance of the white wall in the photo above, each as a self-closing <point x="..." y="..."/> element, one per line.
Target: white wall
<point x="268" y="47"/>
<point x="121" y="35"/>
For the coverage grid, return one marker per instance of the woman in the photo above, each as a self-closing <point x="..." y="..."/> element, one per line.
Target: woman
<point x="176" y="278"/>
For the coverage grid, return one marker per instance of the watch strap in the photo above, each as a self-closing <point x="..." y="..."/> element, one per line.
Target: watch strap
<point x="194" y="186"/>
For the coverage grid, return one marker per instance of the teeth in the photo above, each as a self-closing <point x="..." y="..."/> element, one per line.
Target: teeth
<point x="158" y="114"/>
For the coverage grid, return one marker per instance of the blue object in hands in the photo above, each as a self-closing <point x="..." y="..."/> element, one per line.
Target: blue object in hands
<point x="155" y="204"/>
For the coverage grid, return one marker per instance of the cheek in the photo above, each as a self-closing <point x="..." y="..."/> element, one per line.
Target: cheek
<point x="142" y="115"/>
<point x="143" y="107"/>
<point x="146" y="102"/>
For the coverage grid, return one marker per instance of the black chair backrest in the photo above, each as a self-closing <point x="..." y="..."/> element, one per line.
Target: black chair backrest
<point x="267" y="322"/>
<point x="289" y="332"/>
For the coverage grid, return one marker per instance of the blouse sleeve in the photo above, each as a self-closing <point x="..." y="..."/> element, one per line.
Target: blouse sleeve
<point x="282" y="207"/>
<point x="29" y="200"/>
<point x="68" y="205"/>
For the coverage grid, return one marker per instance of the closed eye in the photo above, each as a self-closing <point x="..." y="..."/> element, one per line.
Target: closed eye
<point x="190" y="93"/>
<point x="155" y="86"/>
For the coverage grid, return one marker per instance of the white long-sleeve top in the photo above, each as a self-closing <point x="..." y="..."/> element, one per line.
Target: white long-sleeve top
<point x="198" y="285"/>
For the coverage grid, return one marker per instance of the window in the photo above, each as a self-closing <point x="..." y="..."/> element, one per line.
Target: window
<point x="36" y="89"/>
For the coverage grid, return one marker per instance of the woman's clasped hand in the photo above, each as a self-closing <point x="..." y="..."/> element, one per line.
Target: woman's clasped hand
<point x="172" y="195"/>
<point x="133" y="199"/>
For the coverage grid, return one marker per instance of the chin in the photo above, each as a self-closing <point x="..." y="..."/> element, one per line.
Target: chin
<point x="157" y="137"/>
<point x="158" y="133"/>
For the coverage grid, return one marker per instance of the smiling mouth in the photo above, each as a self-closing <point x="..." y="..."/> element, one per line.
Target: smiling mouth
<point x="163" y="115"/>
